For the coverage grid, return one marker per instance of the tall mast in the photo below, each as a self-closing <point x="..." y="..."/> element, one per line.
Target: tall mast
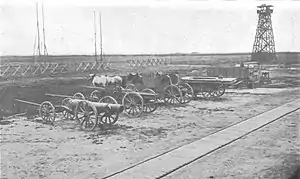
<point x="38" y="29"/>
<point x="95" y="36"/>
<point x="101" y="50"/>
<point x="45" y="48"/>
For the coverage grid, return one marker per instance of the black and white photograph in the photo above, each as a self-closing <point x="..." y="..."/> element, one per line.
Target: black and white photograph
<point x="149" y="89"/>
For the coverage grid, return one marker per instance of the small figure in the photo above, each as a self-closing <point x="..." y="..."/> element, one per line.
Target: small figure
<point x="242" y="65"/>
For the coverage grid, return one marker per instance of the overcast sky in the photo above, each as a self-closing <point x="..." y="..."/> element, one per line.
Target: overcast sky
<point x="145" y="26"/>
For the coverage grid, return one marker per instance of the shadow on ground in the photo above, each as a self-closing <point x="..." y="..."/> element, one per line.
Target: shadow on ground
<point x="296" y="175"/>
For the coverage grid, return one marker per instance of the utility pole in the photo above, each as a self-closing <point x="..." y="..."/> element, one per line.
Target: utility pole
<point x="101" y="50"/>
<point x="38" y="30"/>
<point x="44" y="38"/>
<point x="95" y="36"/>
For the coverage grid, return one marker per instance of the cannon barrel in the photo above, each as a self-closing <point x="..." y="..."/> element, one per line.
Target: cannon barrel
<point x="58" y="95"/>
<point x="73" y="102"/>
<point x="106" y="107"/>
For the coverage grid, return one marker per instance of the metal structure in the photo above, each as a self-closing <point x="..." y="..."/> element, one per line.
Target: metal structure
<point x="264" y="44"/>
<point x="40" y="45"/>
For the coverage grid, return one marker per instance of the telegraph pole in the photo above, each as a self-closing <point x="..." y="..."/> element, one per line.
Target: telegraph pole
<point x="44" y="38"/>
<point x="38" y="30"/>
<point x="95" y="36"/>
<point x="101" y="50"/>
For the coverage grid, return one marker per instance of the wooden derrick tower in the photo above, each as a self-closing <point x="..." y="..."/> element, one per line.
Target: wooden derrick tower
<point x="264" y="44"/>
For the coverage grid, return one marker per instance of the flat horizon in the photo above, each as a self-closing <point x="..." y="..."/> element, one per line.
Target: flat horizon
<point x="160" y="54"/>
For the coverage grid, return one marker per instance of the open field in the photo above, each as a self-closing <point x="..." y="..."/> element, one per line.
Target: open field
<point x="187" y="59"/>
<point x="32" y="149"/>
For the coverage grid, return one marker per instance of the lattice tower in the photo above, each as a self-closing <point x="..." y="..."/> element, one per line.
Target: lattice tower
<point x="264" y="44"/>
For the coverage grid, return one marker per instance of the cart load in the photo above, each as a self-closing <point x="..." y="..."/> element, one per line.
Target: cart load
<point x="209" y="87"/>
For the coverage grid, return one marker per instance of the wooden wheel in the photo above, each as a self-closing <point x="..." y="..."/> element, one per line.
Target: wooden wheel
<point x="187" y="92"/>
<point x="207" y="93"/>
<point x="94" y="96"/>
<point x="66" y="114"/>
<point x="118" y="89"/>
<point x="150" y="103"/>
<point x="108" y="99"/>
<point x="131" y="87"/>
<point x="219" y="91"/>
<point x="79" y="96"/>
<point x="109" y="118"/>
<point x="173" y="95"/>
<point x="86" y="115"/>
<point x="47" y="111"/>
<point x="133" y="104"/>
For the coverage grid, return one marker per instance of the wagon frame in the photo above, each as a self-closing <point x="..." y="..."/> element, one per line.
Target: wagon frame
<point x="135" y="103"/>
<point x="172" y="94"/>
<point x="209" y="87"/>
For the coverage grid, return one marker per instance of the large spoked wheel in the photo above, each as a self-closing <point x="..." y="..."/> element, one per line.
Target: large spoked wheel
<point x="67" y="115"/>
<point x="110" y="117"/>
<point x="150" y="103"/>
<point x="207" y="93"/>
<point x="187" y="92"/>
<point x="86" y="115"/>
<point x="94" y="96"/>
<point x="79" y="96"/>
<point x="173" y="95"/>
<point x="118" y="89"/>
<point x="108" y="99"/>
<point x="131" y="87"/>
<point x="219" y="91"/>
<point x="133" y="104"/>
<point x="47" y="112"/>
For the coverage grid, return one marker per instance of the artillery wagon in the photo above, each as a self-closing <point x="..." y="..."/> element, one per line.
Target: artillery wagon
<point x="89" y="113"/>
<point x="249" y="74"/>
<point x="163" y="85"/>
<point x="135" y="103"/>
<point x="209" y="87"/>
<point x="48" y="112"/>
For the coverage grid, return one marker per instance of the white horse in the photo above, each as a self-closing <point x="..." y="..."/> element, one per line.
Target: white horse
<point x="104" y="80"/>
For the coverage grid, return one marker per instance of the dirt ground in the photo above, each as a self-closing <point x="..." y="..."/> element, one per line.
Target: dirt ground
<point x="271" y="152"/>
<point x="31" y="149"/>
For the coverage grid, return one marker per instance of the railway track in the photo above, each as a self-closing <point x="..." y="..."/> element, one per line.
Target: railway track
<point x="166" y="163"/>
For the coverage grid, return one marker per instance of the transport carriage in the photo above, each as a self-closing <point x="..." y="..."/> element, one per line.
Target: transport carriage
<point x="196" y="86"/>
<point x="88" y="114"/>
<point x="209" y="87"/>
<point x="249" y="74"/>
<point x="135" y="103"/>
<point x="169" y="90"/>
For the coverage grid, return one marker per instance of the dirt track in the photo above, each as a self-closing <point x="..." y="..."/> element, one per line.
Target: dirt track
<point x="36" y="150"/>
<point x="271" y="152"/>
